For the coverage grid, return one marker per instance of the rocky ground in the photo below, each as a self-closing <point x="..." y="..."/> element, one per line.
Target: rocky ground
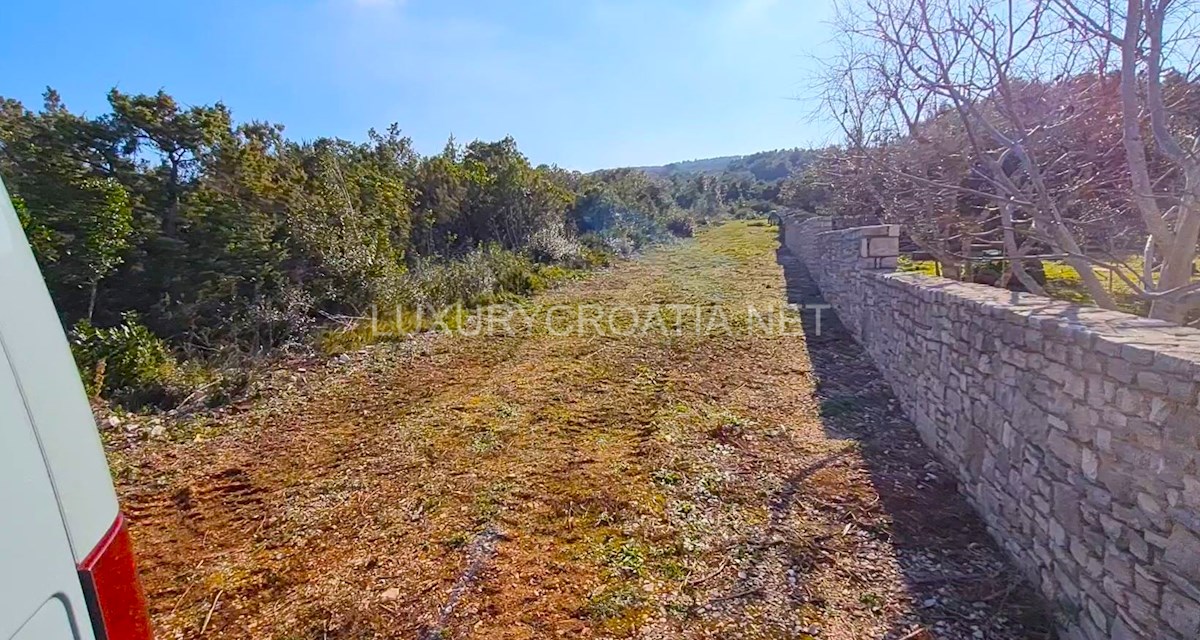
<point x="714" y="480"/>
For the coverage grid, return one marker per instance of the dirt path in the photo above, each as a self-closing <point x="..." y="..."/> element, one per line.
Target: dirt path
<point x="662" y="484"/>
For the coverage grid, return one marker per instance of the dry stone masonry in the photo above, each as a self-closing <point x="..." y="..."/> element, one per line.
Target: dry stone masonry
<point x="1074" y="431"/>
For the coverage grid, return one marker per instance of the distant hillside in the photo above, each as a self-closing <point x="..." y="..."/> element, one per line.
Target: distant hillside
<point x="742" y="186"/>
<point x="766" y="166"/>
<point x="702" y="166"/>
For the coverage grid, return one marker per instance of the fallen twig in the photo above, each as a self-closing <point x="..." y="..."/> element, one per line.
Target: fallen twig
<point x="692" y="583"/>
<point x="211" y="609"/>
<point x="193" y="394"/>
<point x="189" y="588"/>
<point x="479" y="552"/>
<point x="735" y="596"/>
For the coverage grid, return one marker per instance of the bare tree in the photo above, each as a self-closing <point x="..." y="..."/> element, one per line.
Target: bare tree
<point x="998" y="124"/>
<point x="1172" y="217"/>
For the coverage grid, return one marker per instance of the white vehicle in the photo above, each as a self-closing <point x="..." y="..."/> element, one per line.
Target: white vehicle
<point x="66" y="563"/>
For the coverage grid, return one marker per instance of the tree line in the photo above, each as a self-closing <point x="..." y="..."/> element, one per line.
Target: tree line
<point x="1019" y="132"/>
<point x="754" y="185"/>
<point x="162" y="221"/>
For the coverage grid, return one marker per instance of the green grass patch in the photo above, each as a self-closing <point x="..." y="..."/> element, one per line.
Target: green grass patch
<point x="624" y="557"/>
<point x="908" y="265"/>
<point x="666" y="477"/>
<point x="1064" y="283"/>
<point x="617" y="605"/>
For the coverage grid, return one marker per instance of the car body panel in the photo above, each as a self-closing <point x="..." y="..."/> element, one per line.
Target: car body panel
<point x="36" y="566"/>
<point x="51" y="622"/>
<point x="32" y="336"/>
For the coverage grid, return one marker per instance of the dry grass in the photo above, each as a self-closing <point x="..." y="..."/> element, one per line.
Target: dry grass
<point x="670" y="486"/>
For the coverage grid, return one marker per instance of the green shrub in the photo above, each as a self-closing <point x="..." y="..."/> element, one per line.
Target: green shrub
<point x="748" y="213"/>
<point x="482" y="276"/>
<point x="126" y="362"/>
<point x="486" y="275"/>
<point x="595" y="258"/>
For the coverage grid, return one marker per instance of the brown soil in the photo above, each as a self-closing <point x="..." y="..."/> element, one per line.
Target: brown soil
<point x="690" y="485"/>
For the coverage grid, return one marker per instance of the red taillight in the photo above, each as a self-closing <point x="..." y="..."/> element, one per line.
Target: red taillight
<point x="110" y="584"/>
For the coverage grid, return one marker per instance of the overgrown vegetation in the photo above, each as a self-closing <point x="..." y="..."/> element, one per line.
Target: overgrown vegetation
<point x="750" y="186"/>
<point x="1062" y="282"/>
<point x="1027" y="149"/>
<point x="169" y="233"/>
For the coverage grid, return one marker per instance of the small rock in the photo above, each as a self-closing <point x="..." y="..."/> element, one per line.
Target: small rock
<point x="114" y="421"/>
<point x="158" y="431"/>
<point x="391" y="595"/>
<point x="929" y="603"/>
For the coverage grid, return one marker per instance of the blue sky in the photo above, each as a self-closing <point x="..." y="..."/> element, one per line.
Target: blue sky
<point x="584" y="84"/>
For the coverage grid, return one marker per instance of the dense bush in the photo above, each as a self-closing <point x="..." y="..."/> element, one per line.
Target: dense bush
<point x="125" y="361"/>
<point x="552" y="244"/>
<point x="479" y="277"/>
<point x="230" y="240"/>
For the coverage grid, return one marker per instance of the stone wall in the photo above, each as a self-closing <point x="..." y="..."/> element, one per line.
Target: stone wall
<point x="1073" y="430"/>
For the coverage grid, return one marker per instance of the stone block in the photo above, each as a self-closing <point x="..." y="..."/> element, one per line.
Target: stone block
<point x="1123" y="630"/>
<point x="1146" y="585"/>
<point x="1138" y="354"/>
<point x="1191" y="491"/>
<point x="1182" y="391"/>
<point x="1090" y="464"/>
<point x="885" y="247"/>
<point x="1119" y="370"/>
<point x="1181" y="614"/>
<point x="1139" y="548"/>
<point x="1182" y="553"/>
<point x="1149" y="504"/>
<point x="1066" y="449"/>
<point x="1155" y="540"/>
<point x="1152" y="382"/>
<point x="1118" y="567"/>
<point x="1097" y="614"/>
<point x="1114" y="589"/>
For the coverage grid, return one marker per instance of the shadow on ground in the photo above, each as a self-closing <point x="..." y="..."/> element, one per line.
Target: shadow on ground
<point x="958" y="581"/>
